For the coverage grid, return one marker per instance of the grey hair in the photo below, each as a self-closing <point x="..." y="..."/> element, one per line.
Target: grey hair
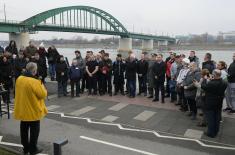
<point x="216" y="73"/>
<point x="31" y="67"/>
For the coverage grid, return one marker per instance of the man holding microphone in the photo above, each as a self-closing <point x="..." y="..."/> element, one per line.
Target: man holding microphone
<point x="30" y="107"/>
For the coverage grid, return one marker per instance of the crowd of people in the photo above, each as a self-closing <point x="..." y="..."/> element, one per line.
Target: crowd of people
<point x="190" y="85"/>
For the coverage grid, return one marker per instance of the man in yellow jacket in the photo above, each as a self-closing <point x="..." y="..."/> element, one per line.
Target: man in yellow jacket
<point x="30" y="94"/>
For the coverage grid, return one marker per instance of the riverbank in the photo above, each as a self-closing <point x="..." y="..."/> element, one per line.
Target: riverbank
<point x="162" y="48"/>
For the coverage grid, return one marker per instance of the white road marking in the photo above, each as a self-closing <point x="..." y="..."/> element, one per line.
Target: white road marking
<point x="144" y="116"/>
<point x="147" y="131"/>
<point x="118" y="107"/>
<point x="117" y="146"/>
<point x="9" y="144"/>
<point x="13" y="144"/>
<point x="52" y="107"/>
<point x="110" y="118"/>
<point x="191" y="133"/>
<point x="82" y="111"/>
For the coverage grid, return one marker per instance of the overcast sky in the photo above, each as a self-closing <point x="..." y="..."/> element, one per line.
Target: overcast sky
<point x="171" y="17"/>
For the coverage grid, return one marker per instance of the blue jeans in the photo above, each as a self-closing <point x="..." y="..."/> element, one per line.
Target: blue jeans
<point x="62" y="88"/>
<point x="213" y="120"/>
<point x="52" y="70"/>
<point x="132" y="87"/>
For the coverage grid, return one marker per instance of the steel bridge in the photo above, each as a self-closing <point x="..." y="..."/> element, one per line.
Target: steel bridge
<point x="77" y="19"/>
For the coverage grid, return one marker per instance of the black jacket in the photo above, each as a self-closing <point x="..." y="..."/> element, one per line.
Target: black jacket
<point x="142" y="67"/>
<point x="20" y="64"/>
<point x="159" y="70"/>
<point x="131" y="69"/>
<point x="6" y="73"/>
<point x="106" y="65"/>
<point x="52" y="55"/>
<point x="210" y="65"/>
<point x="118" y="72"/>
<point x="42" y="67"/>
<point x="231" y="73"/>
<point x="61" y="67"/>
<point x="12" y="50"/>
<point x="214" y="93"/>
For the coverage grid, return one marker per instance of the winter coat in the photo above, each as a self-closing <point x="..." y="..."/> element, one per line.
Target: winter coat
<point x="231" y="73"/>
<point x="191" y="90"/>
<point x="75" y="73"/>
<point x="12" y="50"/>
<point x="30" y="51"/>
<point x="6" y="71"/>
<point x="20" y="64"/>
<point x="29" y="99"/>
<point x="150" y="76"/>
<point x="210" y="65"/>
<point x="42" y="53"/>
<point x="42" y="67"/>
<point x="214" y="90"/>
<point x="1" y="50"/>
<point x="131" y="68"/>
<point x="52" y="56"/>
<point x="182" y="75"/>
<point x="61" y="67"/>
<point x="142" y="67"/>
<point x="118" y="72"/>
<point x="159" y="70"/>
<point x="105" y="67"/>
<point x="168" y="68"/>
<point x="194" y="59"/>
<point x="81" y="63"/>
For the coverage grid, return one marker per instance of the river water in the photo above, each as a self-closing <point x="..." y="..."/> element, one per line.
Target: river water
<point x="216" y="55"/>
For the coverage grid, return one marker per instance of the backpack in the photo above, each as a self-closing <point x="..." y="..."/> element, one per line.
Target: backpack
<point x="75" y="73"/>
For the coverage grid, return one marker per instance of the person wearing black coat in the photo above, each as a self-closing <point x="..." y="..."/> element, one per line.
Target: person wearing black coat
<point x="208" y="63"/>
<point x="142" y="69"/>
<point x="131" y="70"/>
<point x="12" y="48"/>
<point x="6" y="77"/>
<point x="92" y="68"/>
<point x="75" y="74"/>
<point x="105" y="67"/>
<point x="230" y="99"/>
<point x="52" y="57"/>
<point x="118" y="73"/>
<point x="231" y="71"/>
<point x="42" y="67"/>
<point x="214" y="95"/>
<point x="62" y="76"/>
<point x="1" y="50"/>
<point x="159" y="71"/>
<point x="20" y="65"/>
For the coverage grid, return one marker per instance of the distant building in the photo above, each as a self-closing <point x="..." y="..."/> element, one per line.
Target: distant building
<point x="228" y="37"/>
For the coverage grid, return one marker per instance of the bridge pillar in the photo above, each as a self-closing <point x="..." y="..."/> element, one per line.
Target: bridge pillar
<point x="125" y="45"/>
<point x="21" y="39"/>
<point x="147" y="45"/>
<point x="163" y="43"/>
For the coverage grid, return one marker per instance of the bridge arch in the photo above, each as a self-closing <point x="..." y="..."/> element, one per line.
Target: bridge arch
<point x="83" y="17"/>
